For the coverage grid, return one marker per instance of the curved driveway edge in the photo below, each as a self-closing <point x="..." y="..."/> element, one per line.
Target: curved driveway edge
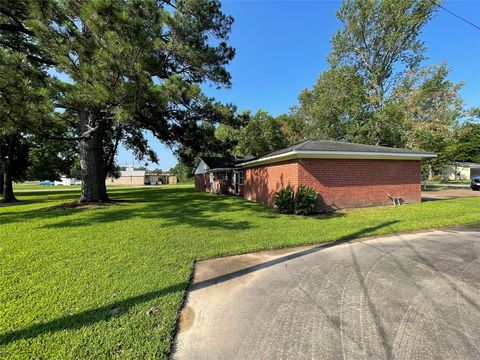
<point x="410" y="296"/>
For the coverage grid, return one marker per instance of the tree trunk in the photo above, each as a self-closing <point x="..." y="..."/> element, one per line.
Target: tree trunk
<point x="378" y="108"/>
<point x="92" y="167"/>
<point x="430" y="172"/>
<point x="8" y="195"/>
<point x="2" y="178"/>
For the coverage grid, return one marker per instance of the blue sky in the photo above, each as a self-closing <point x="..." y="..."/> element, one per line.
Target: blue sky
<point x="281" y="48"/>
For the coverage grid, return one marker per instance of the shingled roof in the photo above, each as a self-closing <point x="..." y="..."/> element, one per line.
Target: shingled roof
<point x="224" y="163"/>
<point x="314" y="147"/>
<point x="335" y="146"/>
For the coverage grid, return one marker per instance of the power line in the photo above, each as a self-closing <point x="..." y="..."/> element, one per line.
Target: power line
<point x="457" y="16"/>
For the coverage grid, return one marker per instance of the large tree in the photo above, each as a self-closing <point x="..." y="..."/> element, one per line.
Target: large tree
<point x="26" y="95"/>
<point x="261" y="134"/>
<point x="182" y="172"/>
<point x="466" y="142"/>
<point x="131" y="66"/>
<point x="49" y="159"/>
<point x="334" y="108"/>
<point x="379" y="39"/>
<point x="25" y="112"/>
<point x="429" y="107"/>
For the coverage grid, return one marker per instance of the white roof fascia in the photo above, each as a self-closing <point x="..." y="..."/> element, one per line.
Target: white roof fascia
<point x="202" y="168"/>
<point x="295" y="154"/>
<point x="132" y="173"/>
<point x="219" y="169"/>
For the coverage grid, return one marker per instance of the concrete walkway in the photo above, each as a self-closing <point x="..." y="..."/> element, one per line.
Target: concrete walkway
<point x="448" y="194"/>
<point x="413" y="296"/>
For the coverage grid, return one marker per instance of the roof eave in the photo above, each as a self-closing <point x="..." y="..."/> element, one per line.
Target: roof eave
<point x="305" y="154"/>
<point x="220" y="169"/>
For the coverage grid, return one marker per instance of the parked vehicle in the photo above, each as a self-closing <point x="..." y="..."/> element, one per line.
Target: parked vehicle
<point x="66" y="181"/>
<point x="46" y="183"/>
<point x="475" y="183"/>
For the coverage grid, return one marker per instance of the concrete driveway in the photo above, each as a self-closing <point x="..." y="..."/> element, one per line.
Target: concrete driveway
<point x="448" y="194"/>
<point x="413" y="296"/>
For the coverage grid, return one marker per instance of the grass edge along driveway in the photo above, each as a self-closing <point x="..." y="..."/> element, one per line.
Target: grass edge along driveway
<point x="107" y="281"/>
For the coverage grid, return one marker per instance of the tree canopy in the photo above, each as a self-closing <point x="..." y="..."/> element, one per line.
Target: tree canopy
<point x="127" y="67"/>
<point x="379" y="39"/>
<point x="465" y="145"/>
<point x="334" y="108"/>
<point x="377" y="89"/>
<point x="26" y="111"/>
<point x="261" y="134"/>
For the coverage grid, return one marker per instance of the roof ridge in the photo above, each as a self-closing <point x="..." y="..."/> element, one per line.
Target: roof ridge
<point x="368" y="145"/>
<point x="303" y="142"/>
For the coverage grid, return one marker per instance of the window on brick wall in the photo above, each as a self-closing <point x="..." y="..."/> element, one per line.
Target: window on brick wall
<point x="238" y="177"/>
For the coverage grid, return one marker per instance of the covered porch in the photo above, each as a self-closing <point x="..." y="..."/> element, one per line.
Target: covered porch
<point x="211" y="176"/>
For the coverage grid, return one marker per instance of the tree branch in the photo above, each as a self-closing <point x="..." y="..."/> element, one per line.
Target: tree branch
<point x="15" y="28"/>
<point x="29" y="56"/>
<point x="84" y="136"/>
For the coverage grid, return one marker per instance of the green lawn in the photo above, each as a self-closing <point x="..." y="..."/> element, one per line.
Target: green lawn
<point x="108" y="281"/>
<point x="40" y="187"/>
<point x="34" y="187"/>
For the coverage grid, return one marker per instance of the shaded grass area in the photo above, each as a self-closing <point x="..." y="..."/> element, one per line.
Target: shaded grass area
<point x="107" y="281"/>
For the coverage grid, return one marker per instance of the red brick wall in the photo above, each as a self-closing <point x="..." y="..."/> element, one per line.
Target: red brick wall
<point x="223" y="182"/>
<point x="341" y="183"/>
<point x="201" y="181"/>
<point x="260" y="183"/>
<point x="344" y="183"/>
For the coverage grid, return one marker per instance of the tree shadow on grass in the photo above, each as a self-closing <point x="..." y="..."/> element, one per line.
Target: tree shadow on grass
<point x="279" y="260"/>
<point x="176" y="206"/>
<point x="88" y="317"/>
<point x="173" y="206"/>
<point x="47" y="196"/>
<point x="16" y="203"/>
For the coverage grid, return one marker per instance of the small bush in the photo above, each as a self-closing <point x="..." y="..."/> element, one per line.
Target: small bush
<point x="305" y="200"/>
<point x="285" y="200"/>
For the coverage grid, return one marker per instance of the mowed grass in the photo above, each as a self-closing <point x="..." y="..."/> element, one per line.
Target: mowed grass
<point x="33" y="187"/>
<point x="108" y="281"/>
<point x="29" y="187"/>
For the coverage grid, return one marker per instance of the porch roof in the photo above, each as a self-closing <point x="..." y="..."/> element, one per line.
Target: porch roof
<point x="222" y="164"/>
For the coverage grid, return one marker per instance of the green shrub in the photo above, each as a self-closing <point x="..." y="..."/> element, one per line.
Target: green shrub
<point x="285" y="200"/>
<point x="305" y="200"/>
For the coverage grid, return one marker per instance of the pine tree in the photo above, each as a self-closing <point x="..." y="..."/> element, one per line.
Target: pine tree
<point x="127" y="67"/>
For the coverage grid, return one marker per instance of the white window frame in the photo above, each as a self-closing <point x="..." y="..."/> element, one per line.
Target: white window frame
<point x="237" y="181"/>
<point x="240" y="175"/>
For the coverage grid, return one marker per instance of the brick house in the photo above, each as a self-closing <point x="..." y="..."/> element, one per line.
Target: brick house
<point x="345" y="175"/>
<point x="220" y="175"/>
